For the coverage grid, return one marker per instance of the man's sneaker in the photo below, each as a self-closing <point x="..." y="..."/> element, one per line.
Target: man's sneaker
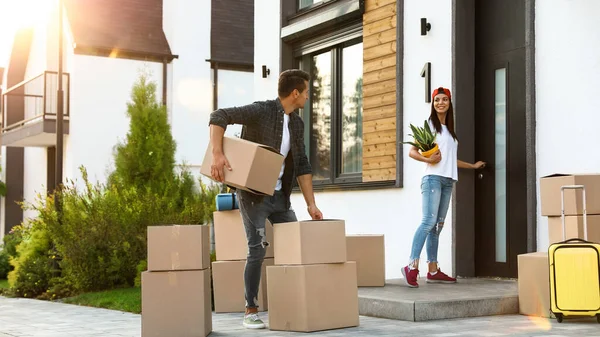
<point x="252" y="321"/>
<point x="410" y="276"/>
<point x="440" y="277"/>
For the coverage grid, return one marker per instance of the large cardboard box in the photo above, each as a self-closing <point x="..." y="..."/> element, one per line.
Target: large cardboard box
<point x="228" y="286"/>
<point x="254" y="167"/>
<point x="230" y="236"/>
<point x="312" y="297"/>
<point x="534" y="284"/>
<point x="178" y="247"/>
<point x="550" y="194"/>
<point x="368" y="251"/>
<point x="310" y="242"/>
<point x="574" y="228"/>
<point x="176" y="304"/>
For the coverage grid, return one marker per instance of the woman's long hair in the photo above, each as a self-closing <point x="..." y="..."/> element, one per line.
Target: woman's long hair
<point x="433" y="117"/>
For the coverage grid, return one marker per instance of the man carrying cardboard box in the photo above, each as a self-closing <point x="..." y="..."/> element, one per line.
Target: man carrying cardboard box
<point x="272" y="123"/>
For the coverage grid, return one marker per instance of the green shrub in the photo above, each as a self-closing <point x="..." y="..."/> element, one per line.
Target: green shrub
<point x="147" y="158"/>
<point x="33" y="266"/>
<point x="5" y="266"/>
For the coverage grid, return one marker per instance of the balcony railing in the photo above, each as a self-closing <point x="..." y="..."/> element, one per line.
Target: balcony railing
<point x="33" y="102"/>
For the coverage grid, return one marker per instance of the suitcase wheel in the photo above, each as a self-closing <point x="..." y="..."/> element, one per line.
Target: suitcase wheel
<point x="598" y="318"/>
<point x="559" y="318"/>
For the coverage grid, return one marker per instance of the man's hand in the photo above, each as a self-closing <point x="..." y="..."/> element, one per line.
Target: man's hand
<point x="218" y="163"/>
<point x="315" y="213"/>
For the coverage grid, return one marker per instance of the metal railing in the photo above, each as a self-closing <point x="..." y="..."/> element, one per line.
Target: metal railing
<point x="36" y="98"/>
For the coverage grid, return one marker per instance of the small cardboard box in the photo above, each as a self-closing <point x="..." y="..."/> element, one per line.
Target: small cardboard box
<point x="176" y="304"/>
<point x="178" y="247"/>
<point x="574" y="228"/>
<point x="312" y="297"/>
<point x="228" y="286"/>
<point x="534" y="284"/>
<point x="310" y="242"/>
<point x="230" y="236"/>
<point x="255" y="167"/>
<point x="369" y="253"/>
<point x="550" y="194"/>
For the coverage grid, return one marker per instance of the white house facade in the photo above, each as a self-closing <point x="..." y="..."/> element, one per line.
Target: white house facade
<point x="521" y="74"/>
<point x="107" y="45"/>
<point x="519" y="71"/>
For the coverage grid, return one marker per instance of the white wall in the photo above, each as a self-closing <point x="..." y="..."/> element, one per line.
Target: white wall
<point x="567" y="69"/>
<point x="267" y="47"/>
<point x="235" y="88"/>
<point x="187" y="27"/>
<point x="100" y="90"/>
<point x="396" y="213"/>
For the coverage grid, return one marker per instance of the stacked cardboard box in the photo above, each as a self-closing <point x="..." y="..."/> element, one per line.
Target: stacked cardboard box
<point x="550" y="202"/>
<point x="231" y="247"/>
<point x="368" y="251"/>
<point x="533" y="268"/>
<point x="312" y="286"/>
<point x="176" y="299"/>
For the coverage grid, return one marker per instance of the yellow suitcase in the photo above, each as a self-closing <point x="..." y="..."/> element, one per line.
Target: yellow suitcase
<point x="574" y="272"/>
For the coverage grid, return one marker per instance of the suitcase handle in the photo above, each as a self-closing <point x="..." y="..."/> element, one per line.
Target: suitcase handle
<point x="562" y="209"/>
<point x="578" y="240"/>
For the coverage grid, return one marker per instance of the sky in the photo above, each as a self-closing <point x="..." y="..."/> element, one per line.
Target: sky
<point x="16" y="14"/>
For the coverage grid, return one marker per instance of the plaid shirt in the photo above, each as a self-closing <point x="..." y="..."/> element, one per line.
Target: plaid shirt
<point x="263" y="123"/>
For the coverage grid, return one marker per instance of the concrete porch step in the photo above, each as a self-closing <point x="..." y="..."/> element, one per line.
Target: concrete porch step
<point x="469" y="297"/>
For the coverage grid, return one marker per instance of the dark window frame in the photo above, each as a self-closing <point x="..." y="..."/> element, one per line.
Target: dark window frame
<point x="336" y="176"/>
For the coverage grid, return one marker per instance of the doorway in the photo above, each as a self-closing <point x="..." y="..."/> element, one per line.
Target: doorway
<point x="500" y="223"/>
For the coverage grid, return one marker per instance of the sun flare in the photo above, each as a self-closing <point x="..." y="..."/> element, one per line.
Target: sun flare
<point x="18" y="14"/>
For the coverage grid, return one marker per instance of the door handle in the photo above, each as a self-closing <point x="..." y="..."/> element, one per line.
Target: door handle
<point x="480" y="176"/>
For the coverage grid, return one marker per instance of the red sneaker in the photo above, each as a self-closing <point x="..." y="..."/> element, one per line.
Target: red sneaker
<point x="440" y="277"/>
<point x="410" y="276"/>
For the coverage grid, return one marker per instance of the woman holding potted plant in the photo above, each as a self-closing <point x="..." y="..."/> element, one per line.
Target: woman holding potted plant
<point x="439" y="152"/>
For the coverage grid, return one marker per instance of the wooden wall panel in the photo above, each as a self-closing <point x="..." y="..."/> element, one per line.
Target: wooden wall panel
<point x="379" y="90"/>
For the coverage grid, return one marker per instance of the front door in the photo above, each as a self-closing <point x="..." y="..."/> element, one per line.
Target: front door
<point x="500" y="203"/>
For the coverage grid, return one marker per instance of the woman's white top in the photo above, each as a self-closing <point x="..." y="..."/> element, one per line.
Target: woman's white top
<point x="448" y="166"/>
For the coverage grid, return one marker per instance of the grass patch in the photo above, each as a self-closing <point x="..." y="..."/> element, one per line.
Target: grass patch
<point x="3" y="284"/>
<point x="125" y="299"/>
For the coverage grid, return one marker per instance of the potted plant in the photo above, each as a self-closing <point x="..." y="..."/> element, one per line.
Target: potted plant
<point x="424" y="139"/>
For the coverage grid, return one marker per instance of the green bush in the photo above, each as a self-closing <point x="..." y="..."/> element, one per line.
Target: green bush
<point x="4" y="265"/>
<point x="99" y="242"/>
<point x="33" y="266"/>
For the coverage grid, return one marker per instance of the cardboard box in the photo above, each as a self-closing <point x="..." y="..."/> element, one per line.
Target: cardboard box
<point x="176" y="304"/>
<point x="310" y="242"/>
<point x="574" y="227"/>
<point x="228" y="286"/>
<point x="178" y="247"/>
<point x="255" y="167"/>
<point x="550" y="194"/>
<point x="534" y="284"/>
<point x="312" y="297"/>
<point x="368" y="251"/>
<point x="230" y="236"/>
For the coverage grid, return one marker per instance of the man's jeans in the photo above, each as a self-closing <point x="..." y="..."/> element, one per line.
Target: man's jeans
<point x="436" y="192"/>
<point x="254" y="216"/>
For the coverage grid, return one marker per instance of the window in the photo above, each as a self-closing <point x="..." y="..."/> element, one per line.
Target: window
<point x="333" y="114"/>
<point x="307" y="3"/>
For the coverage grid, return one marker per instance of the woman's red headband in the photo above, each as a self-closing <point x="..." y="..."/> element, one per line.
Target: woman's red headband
<point x="441" y="90"/>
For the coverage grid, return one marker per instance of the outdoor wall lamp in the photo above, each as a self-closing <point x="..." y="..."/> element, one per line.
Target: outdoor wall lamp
<point x="425" y="26"/>
<point x="265" y="71"/>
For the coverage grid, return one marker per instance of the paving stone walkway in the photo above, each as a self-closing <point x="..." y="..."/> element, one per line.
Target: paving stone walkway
<point x="26" y="318"/>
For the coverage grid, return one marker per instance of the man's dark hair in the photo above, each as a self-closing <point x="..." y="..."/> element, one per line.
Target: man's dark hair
<point x="290" y="80"/>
